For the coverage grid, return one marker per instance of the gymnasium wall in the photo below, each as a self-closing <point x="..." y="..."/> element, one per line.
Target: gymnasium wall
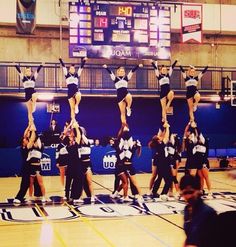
<point x="218" y="48"/>
<point x="100" y="116"/>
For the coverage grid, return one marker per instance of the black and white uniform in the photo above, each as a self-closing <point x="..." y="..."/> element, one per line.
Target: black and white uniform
<point x="162" y="162"/>
<point x="72" y="80"/>
<point x="173" y="153"/>
<point x="191" y="162"/>
<point x="118" y="171"/>
<point x="164" y="79"/>
<point x="34" y="158"/>
<point x="62" y="155"/>
<point x="154" y="152"/>
<point x="201" y="155"/>
<point x="121" y="83"/>
<point x="74" y="177"/>
<point x="191" y="82"/>
<point x="125" y="151"/>
<point x="29" y="82"/>
<point x="85" y="151"/>
<point x="25" y="178"/>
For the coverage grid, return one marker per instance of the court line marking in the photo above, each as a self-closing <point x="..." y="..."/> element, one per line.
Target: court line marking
<point x="157" y="215"/>
<point x="132" y="220"/>
<point x="57" y="234"/>
<point x="90" y="224"/>
<point x="217" y="181"/>
<point x="220" y="182"/>
<point x="140" y="226"/>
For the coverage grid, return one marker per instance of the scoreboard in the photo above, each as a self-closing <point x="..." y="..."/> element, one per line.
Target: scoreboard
<point x="114" y="30"/>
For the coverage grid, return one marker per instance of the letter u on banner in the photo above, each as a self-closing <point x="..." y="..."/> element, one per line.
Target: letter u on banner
<point x="25" y="16"/>
<point x="191" y="18"/>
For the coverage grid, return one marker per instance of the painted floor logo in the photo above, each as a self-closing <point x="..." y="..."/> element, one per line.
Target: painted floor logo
<point x="104" y="207"/>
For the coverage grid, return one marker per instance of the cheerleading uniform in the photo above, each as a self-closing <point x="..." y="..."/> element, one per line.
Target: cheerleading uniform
<point x="164" y="79"/>
<point x="121" y="83"/>
<point x="72" y="80"/>
<point x="74" y="177"/>
<point x="28" y="82"/>
<point x="33" y="159"/>
<point x="191" y="82"/>
<point x="61" y="155"/>
<point x="162" y="162"/>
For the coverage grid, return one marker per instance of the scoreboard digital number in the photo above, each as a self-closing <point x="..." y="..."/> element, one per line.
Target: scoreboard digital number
<point x="99" y="30"/>
<point x="115" y="10"/>
<point x="100" y="22"/>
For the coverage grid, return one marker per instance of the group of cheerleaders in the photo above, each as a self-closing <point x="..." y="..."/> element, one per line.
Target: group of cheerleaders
<point x="73" y="153"/>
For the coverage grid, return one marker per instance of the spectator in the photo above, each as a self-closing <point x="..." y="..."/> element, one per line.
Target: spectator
<point x="199" y="218"/>
<point x="97" y="142"/>
<point x="53" y="133"/>
<point x="54" y="128"/>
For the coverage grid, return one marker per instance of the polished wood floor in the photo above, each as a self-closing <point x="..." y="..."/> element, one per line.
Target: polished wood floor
<point x="152" y="229"/>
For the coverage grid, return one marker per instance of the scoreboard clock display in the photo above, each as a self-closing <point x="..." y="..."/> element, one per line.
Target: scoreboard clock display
<point x="116" y="30"/>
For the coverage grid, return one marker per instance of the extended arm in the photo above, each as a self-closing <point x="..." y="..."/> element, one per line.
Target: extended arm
<point x="63" y="66"/>
<point x="139" y="148"/>
<point x="130" y="74"/>
<point x="166" y="133"/>
<point x="19" y="71"/>
<point x="183" y="72"/>
<point x="154" y="65"/>
<point x="112" y="75"/>
<point x="78" y="132"/>
<point x="185" y="137"/>
<point x="32" y="136"/>
<point x="201" y="73"/>
<point x="172" y="67"/>
<point x="26" y="132"/>
<point x="37" y="71"/>
<point x="83" y="61"/>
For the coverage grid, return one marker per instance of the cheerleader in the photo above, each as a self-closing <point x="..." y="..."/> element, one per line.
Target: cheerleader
<point x="163" y="164"/>
<point x="188" y="145"/>
<point x="25" y="172"/>
<point x="28" y="78"/>
<point x="166" y="94"/>
<point x="117" y="181"/>
<point x="192" y="94"/>
<point x="153" y="145"/>
<point x="121" y="84"/>
<point x="62" y="158"/>
<point x="125" y="151"/>
<point x="72" y="82"/>
<point x="74" y="176"/>
<point x="35" y="149"/>
<point x="62" y="154"/>
<point x="85" y="151"/>
<point x="201" y="155"/>
<point x="174" y="153"/>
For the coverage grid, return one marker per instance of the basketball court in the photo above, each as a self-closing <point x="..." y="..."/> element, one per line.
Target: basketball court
<point x="88" y="50"/>
<point x="107" y="222"/>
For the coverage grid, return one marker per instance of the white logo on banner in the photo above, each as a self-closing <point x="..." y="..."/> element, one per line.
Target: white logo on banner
<point x="45" y="162"/>
<point x="109" y="160"/>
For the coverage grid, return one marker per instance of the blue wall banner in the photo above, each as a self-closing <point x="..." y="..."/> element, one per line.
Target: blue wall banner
<point x="25" y="16"/>
<point x="103" y="161"/>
